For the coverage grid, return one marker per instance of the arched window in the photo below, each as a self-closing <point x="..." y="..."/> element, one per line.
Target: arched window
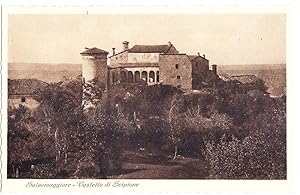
<point x="113" y="75"/>
<point x="130" y="77"/>
<point x="151" y="77"/>
<point x="137" y="76"/>
<point x="145" y="76"/>
<point x="123" y="77"/>
<point x="176" y="66"/>
<point x="157" y="76"/>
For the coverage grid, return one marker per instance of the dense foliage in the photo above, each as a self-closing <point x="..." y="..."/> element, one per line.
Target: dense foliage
<point x="237" y="128"/>
<point x="55" y="139"/>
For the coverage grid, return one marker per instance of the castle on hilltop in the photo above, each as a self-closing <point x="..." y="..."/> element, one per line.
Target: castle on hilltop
<point x="148" y="64"/>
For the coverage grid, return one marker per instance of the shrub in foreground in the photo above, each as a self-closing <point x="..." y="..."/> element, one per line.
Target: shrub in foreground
<point x="261" y="155"/>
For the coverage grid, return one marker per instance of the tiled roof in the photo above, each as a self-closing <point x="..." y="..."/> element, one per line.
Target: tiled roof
<point x="94" y="50"/>
<point x="193" y="57"/>
<point x="132" y="65"/>
<point x="226" y="77"/>
<point x="149" y="48"/>
<point x="24" y="86"/>
<point x="245" y="78"/>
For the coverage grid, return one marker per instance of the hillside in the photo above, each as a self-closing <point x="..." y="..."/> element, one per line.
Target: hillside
<point x="274" y="75"/>
<point x="44" y="72"/>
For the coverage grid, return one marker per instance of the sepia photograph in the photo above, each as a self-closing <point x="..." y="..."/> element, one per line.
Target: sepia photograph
<point x="146" y="96"/>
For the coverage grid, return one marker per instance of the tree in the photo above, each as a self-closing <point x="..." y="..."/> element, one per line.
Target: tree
<point x="61" y="111"/>
<point x="176" y="123"/>
<point x="101" y="139"/>
<point x="18" y="139"/>
<point x="260" y="155"/>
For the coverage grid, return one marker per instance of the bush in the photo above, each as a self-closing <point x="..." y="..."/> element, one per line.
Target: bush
<point x="261" y="155"/>
<point x="87" y="168"/>
<point x="152" y="132"/>
<point x="43" y="171"/>
<point x="103" y="138"/>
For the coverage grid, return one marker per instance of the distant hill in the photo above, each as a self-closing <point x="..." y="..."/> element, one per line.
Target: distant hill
<point x="274" y="75"/>
<point x="44" y="72"/>
<point x="251" y="66"/>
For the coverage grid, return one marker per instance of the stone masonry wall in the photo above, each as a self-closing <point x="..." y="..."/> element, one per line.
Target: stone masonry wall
<point x="119" y="58"/>
<point x="176" y="70"/>
<point x="102" y="71"/>
<point x="200" y="71"/>
<point x="200" y="65"/>
<point x="143" y="57"/>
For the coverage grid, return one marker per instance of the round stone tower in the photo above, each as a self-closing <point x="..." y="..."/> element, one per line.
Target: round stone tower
<point x="94" y="77"/>
<point x="94" y="65"/>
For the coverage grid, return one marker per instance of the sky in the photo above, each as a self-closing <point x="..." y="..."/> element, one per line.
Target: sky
<point x="223" y="38"/>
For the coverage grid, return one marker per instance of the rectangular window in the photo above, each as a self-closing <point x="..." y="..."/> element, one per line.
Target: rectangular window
<point x="178" y="77"/>
<point x="177" y="66"/>
<point x="23" y="99"/>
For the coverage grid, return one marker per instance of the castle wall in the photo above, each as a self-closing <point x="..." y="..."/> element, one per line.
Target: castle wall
<point x="141" y="69"/>
<point x="176" y="70"/>
<point x="200" y="67"/>
<point x="94" y="68"/>
<point x="102" y="71"/>
<point x="89" y="69"/>
<point x="143" y="57"/>
<point x="150" y="75"/>
<point x="119" y="58"/>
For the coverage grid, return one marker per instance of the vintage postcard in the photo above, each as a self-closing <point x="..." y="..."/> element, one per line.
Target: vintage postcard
<point x="182" y="99"/>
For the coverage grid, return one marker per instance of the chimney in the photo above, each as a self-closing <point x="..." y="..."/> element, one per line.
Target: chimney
<point x="169" y="43"/>
<point x="114" y="51"/>
<point x="214" y="68"/>
<point x="125" y="45"/>
<point x="198" y="54"/>
<point x="204" y="56"/>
